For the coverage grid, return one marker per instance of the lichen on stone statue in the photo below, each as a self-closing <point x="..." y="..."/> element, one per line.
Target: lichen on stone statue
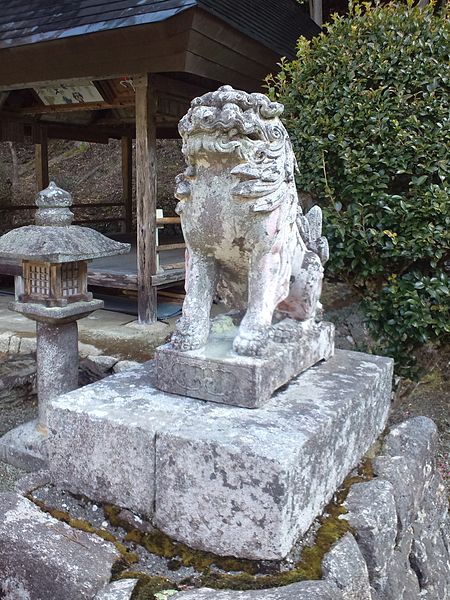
<point x="247" y="239"/>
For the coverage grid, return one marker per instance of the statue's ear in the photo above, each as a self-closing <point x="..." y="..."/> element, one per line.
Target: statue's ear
<point x="290" y="165"/>
<point x="314" y="216"/>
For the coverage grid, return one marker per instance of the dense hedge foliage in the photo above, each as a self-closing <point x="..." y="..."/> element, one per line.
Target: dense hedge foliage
<point x="367" y="107"/>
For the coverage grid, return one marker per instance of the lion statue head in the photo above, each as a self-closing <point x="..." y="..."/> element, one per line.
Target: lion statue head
<point x="246" y="130"/>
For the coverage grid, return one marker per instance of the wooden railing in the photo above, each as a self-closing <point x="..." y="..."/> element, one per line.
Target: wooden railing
<point x="171" y="273"/>
<point x="77" y="207"/>
<point x="162" y="221"/>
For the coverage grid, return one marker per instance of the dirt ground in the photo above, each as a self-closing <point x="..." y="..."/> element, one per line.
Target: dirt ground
<point x="90" y="172"/>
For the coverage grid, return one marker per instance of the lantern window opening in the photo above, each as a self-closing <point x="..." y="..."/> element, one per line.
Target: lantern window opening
<point x="39" y="279"/>
<point x="70" y="279"/>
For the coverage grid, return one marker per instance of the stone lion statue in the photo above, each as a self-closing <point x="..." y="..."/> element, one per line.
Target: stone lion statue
<point x="246" y="236"/>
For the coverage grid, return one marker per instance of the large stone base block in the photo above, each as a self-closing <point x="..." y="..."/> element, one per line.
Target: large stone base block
<point x="218" y="477"/>
<point x="218" y="374"/>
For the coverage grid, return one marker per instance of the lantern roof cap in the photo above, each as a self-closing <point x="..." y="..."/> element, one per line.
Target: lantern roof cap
<point x="53" y="238"/>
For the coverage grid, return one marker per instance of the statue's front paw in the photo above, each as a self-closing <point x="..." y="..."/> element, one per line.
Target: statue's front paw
<point x="189" y="335"/>
<point x="250" y="343"/>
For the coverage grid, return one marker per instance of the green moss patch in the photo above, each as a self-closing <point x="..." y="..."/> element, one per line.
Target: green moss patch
<point x="127" y="557"/>
<point x="332" y="527"/>
<point x="216" y="571"/>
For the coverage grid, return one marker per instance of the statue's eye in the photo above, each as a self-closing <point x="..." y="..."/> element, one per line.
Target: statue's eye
<point x="260" y="155"/>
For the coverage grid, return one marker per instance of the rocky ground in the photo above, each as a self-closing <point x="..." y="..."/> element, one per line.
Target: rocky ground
<point x="429" y="396"/>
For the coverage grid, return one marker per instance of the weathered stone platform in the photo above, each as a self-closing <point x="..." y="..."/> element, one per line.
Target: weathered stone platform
<point x="221" y="478"/>
<point x="216" y="373"/>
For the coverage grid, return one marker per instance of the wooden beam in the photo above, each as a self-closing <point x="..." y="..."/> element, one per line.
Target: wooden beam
<point x="168" y="221"/>
<point x="170" y="105"/>
<point x="146" y="196"/>
<point x="43" y="109"/>
<point x="156" y="47"/>
<point x="41" y="161"/>
<point x="167" y="277"/>
<point x="106" y="279"/>
<point x="69" y="131"/>
<point x="127" y="181"/>
<point x="169" y="247"/>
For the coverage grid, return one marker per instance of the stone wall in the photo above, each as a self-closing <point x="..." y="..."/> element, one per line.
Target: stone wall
<point x="400" y="547"/>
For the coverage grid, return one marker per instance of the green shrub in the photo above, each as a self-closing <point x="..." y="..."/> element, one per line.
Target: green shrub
<point x="368" y="111"/>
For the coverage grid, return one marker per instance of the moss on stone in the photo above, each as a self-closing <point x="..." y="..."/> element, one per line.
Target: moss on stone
<point x="127" y="557"/>
<point x="332" y="527"/>
<point x="309" y="567"/>
<point x="147" y="585"/>
<point x="239" y="574"/>
<point x="162" y="545"/>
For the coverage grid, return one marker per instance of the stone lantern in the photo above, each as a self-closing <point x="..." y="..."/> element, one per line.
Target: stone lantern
<point x="54" y="284"/>
<point x="53" y="292"/>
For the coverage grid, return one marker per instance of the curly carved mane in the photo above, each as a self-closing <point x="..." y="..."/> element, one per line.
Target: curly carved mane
<point x="246" y="128"/>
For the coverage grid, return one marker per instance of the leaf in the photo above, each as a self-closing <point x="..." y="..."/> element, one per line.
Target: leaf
<point x="419" y="180"/>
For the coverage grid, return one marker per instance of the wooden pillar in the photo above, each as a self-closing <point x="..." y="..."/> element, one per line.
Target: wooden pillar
<point x="41" y="161"/>
<point x="146" y="196"/>
<point x="315" y="11"/>
<point x="127" y="181"/>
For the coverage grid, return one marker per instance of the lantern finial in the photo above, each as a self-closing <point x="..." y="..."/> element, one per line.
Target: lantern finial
<point x="53" y="207"/>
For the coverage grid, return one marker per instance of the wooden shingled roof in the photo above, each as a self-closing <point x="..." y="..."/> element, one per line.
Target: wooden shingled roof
<point x="276" y="24"/>
<point x="190" y="47"/>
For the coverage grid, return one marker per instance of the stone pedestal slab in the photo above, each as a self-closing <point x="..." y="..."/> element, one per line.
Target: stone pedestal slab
<point x="218" y="477"/>
<point x="216" y="373"/>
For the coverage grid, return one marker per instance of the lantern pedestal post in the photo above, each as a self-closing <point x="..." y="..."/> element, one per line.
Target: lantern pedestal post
<point x="53" y="292"/>
<point x="57" y="364"/>
<point x="56" y="374"/>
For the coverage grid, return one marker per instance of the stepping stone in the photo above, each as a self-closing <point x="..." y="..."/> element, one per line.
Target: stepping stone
<point x="42" y="558"/>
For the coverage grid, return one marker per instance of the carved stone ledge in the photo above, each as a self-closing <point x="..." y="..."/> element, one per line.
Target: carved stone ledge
<point x="218" y="374"/>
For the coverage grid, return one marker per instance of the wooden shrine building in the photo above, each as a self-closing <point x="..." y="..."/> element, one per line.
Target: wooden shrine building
<point x="92" y="70"/>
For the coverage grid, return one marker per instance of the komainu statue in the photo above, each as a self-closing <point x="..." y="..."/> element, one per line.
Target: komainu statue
<point x="247" y="238"/>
